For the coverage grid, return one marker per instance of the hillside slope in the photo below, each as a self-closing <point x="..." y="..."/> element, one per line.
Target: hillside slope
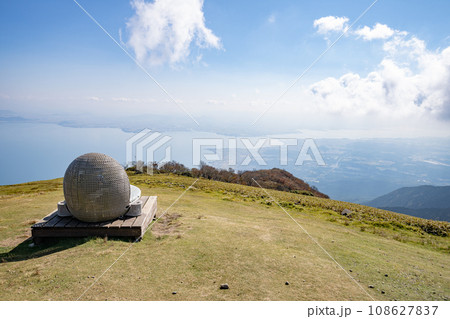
<point x="431" y="202"/>
<point x="226" y="233"/>
<point x="279" y="179"/>
<point x="274" y="178"/>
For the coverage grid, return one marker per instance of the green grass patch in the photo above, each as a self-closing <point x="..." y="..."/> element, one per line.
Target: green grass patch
<point x="226" y="233"/>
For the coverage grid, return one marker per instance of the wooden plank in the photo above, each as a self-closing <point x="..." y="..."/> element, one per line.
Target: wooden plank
<point x="106" y="224"/>
<point x="148" y="212"/>
<point x="63" y="221"/>
<point x="149" y="215"/>
<point x="99" y="224"/>
<point x="155" y="202"/>
<point x="140" y="220"/>
<point x="145" y="226"/>
<point x="53" y="221"/>
<point x="73" y="223"/>
<point x="53" y="225"/>
<point x="103" y="224"/>
<point x="84" y="232"/>
<point x="83" y="224"/>
<point x="151" y="205"/>
<point x="116" y="224"/>
<point x="46" y="219"/>
<point x="119" y="222"/>
<point x="144" y="200"/>
<point x="94" y="225"/>
<point x="128" y="222"/>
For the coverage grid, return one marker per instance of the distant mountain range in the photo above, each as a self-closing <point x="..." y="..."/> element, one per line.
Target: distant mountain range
<point x="430" y="202"/>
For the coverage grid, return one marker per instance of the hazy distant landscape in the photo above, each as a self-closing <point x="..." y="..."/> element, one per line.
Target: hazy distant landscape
<point x="357" y="170"/>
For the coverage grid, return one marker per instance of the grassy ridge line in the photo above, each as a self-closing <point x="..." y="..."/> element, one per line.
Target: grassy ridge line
<point x="361" y="214"/>
<point x="31" y="187"/>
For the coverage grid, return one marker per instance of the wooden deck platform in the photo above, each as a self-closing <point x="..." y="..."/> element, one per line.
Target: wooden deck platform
<point x="53" y="225"/>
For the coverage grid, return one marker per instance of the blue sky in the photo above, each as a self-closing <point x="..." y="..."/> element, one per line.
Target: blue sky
<point x="57" y="65"/>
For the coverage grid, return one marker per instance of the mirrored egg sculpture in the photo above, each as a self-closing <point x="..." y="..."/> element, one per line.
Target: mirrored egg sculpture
<point x="96" y="188"/>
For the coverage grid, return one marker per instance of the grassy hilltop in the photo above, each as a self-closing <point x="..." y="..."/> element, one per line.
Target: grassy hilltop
<point x="226" y="233"/>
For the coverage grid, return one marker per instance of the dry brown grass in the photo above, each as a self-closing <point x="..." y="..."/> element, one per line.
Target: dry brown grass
<point x="168" y="224"/>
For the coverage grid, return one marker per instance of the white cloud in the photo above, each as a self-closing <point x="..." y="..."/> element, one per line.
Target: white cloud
<point x="216" y="102"/>
<point x="379" y="31"/>
<point x="435" y="162"/>
<point x="162" y="31"/>
<point x="271" y="19"/>
<point x="95" y="98"/>
<point x="328" y="24"/>
<point x="410" y="82"/>
<point x="124" y="99"/>
<point x="131" y="100"/>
